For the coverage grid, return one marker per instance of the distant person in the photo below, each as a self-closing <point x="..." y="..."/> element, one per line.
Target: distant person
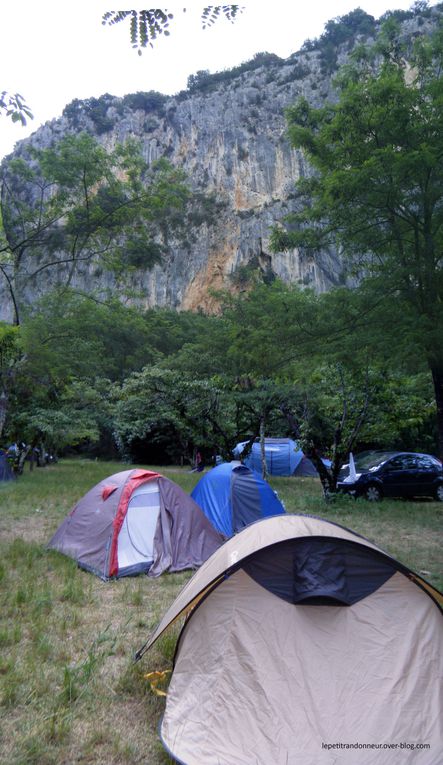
<point x="199" y="465"/>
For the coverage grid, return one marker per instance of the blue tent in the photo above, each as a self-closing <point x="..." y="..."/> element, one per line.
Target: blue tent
<point x="6" y="472"/>
<point x="233" y="496"/>
<point x="283" y="456"/>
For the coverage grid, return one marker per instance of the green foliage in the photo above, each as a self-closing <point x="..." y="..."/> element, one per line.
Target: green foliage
<point x="347" y="28"/>
<point x="404" y="413"/>
<point x="318" y="367"/>
<point x="75" y="203"/>
<point x="14" y="106"/>
<point x="246" y="274"/>
<point x="307" y="365"/>
<point x="343" y="30"/>
<point x="377" y="190"/>
<point x="68" y="353"/>
<point x="10" y="355"/>
<point x="67" y="426"/>
<point x="168" y="330"/>
<point x="420" y="8"/>
<point x="96" y="109"/>
<point x="164" y="406"/>
<point x="204" y="82"/>
<point x="149" y="102"/>
<point x="199" y="80"/>
<point x="147" y="25"/>
<point x="70" y="334"/>
<point x="9" y="346"/>
<point x="211" y="13"/>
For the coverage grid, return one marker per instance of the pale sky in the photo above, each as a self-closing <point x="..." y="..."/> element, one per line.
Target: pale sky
<point x="53" y="51"/>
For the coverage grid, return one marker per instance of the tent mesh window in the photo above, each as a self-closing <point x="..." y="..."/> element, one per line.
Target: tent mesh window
<point x="318" y="571"/>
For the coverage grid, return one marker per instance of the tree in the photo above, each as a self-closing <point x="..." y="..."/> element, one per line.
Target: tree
<point x="14" y="106"/>
<point x="58" y="369"/>
<point x="315" y="366"/>
<point x="69" y="335"/>
<point x="75" y="204"/>
<point x="334" y="405"/>
<point x="58" y="416"/>
<point x="10" y="353"/>
<point x="176" y="412"/>
<point x="376" y="192"/>
<point x="180" y="412"/>
<point x="147" y="25"/>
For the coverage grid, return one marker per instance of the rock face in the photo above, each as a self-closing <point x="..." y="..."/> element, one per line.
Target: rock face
<point x="228" y="133"/>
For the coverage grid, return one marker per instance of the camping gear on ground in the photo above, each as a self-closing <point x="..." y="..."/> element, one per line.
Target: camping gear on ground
<point x="233" y="496"/>
<point x="133" y="522"/>
<point x="283" y="457"/>
<point x="301" y="634"/>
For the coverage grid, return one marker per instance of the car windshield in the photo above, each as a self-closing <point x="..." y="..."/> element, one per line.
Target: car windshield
<point x="371" y="460"/>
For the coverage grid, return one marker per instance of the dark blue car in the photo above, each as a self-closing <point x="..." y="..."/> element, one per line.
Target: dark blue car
<point x="393" y="474"/>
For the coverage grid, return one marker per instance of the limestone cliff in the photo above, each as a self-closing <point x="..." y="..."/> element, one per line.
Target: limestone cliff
<point x="227" y="132"/>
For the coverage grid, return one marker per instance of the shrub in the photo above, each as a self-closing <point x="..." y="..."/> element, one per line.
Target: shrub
<point x="96" y="109"/>
<point x="150" y="101"/>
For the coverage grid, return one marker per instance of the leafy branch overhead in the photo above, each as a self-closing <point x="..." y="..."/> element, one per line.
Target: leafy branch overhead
<point x="14" y="106"/>
<point x="147" y="25"/>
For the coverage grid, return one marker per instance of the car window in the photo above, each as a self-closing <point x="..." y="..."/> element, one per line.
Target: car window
<point x="426" y="463"/>
<point x="403" y="462"/>
<point x="411" y="462"/>
<point x="395" y="464"/>
<point x="366" y="461"/>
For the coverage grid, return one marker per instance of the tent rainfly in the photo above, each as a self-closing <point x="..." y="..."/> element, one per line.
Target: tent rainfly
<point x="283" y="457"/>
<point x="232" y="496"/>
<point x="133" y="522"/>
<point x="305" y="644"/>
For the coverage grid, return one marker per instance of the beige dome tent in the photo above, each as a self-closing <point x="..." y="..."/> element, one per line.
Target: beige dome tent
<point x="304" y="645"/>
<point x="136" y="521"/>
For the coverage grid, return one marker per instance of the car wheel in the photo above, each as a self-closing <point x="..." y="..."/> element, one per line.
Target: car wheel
<point x="439" y="493"/>
<point x="373" y="493"/>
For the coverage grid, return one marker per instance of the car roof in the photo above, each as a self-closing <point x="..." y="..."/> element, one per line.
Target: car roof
<point x="390" y="454"/>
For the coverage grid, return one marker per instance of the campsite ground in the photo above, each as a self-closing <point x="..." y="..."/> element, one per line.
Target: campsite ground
<point x="69" y="690"/>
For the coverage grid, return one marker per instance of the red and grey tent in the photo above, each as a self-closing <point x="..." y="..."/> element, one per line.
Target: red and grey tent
<point x="136" y="521"/>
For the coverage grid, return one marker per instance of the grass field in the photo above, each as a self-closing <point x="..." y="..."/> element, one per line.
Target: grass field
<point x="69" y="689"/>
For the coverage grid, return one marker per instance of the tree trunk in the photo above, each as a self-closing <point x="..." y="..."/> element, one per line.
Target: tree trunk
<point x="437" y="378"/>
<point x="24" y="451"/>
<point x="3" y="409"/>
<point x="264" y="471"/>
<point x="10" y="283"/>
<point x="326" y="479"/>
<point x="329" y="485"/>
<point x="41" y="455"/>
